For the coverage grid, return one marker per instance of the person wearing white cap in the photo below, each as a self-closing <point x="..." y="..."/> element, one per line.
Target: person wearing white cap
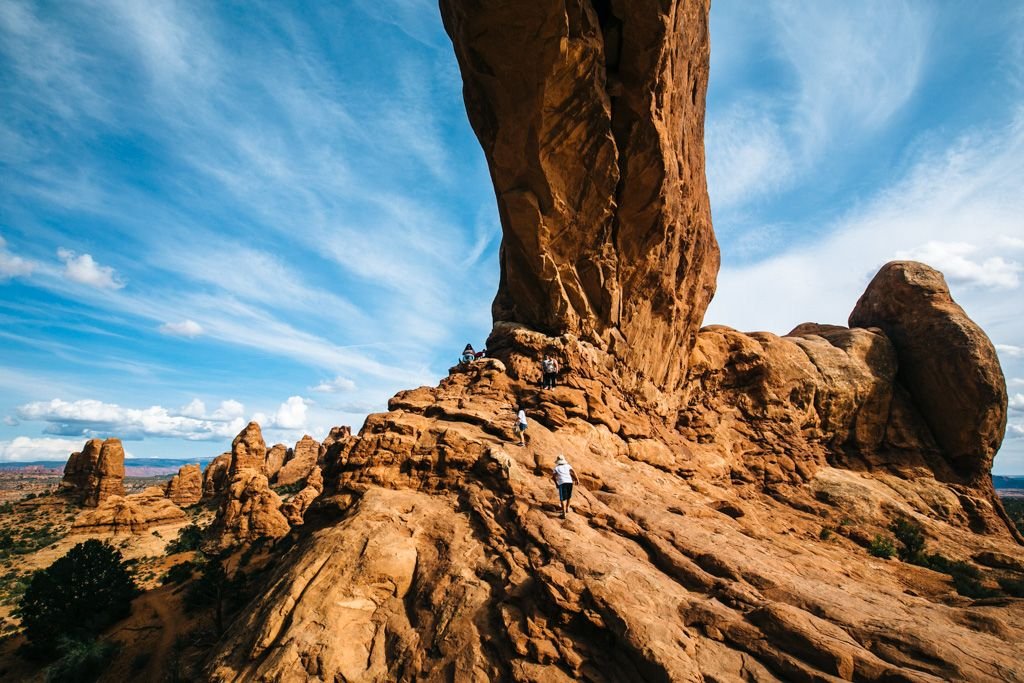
<point x="564" y="476"/>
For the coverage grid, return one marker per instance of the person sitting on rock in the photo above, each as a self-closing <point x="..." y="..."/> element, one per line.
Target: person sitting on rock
<point x="468" y="354"/>
<point x="564" y="476"/>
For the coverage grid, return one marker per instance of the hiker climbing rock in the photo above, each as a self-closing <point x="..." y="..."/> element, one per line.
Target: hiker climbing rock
<point x="564" y="476"/>
<point x="521" y="426"/>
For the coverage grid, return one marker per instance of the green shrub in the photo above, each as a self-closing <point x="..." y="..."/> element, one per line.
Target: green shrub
<point x="825" y="533"/>
<point x="80" y="661"/>
<point x="76" y="597"/>
<point x="882" y="547"/>
<point x="910" y="534"/>
<point x="189" y="538"/>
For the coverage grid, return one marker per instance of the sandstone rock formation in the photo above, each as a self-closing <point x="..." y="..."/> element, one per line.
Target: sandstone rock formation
<point x="276" y="457"/>
<point x="132" y="514"/>
<point x="675" y="565"/>
<point x="301" y="464"/>
<point x="730" y="483"/>
<point x="295" y="508"/>
<point x="591" y="115"/>
<point x="946" y="363"/>
<point x="248" y="451"/>
<point x="215" y="476"/>
<point x="186" y="487"/>
<point x="250" y="510"/>
<point x="96" y="473"/>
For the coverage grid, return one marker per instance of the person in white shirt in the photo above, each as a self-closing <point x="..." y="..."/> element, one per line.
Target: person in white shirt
<point x="564" y="476"/>
<point x="521" y="426"/>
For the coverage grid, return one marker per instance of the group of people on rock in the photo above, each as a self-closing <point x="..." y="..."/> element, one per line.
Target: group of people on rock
<point x="549" y="367"/>
<point x="563" y="474"/>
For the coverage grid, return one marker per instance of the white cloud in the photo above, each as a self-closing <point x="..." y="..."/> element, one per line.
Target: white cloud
<point x="1010" y="350"/>
<point x="89" y="418"/>
<point x="11" y="265"/>
<point x="1015" y="430"/>
<point x="1016" y="402"/>
<point x="291" y="414"/>
<point x="856" y="64"/>
<point x="229" y="410"/>
<point x="186" y="328"/>
<point x="26" y="449"/>
<point x="195" y="408"/>
<point x="746" y="155"/>
<point x="969" y="188"/>
<point x="84" y="270"/>
<point x="955" y="261"/>
<point x="337" y="385"/>
<point x="11" y="421"/>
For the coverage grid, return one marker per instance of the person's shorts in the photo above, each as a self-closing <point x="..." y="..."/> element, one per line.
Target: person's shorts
<point x="565" y="491"/>
<point x="520" y="427"/>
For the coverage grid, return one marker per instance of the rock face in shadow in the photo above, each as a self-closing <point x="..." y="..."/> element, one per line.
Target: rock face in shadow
<point x="591" y="115"/>
<point x="96" y="473"/>
<point x="947" y="364"/>
<point x="215" y="476"/>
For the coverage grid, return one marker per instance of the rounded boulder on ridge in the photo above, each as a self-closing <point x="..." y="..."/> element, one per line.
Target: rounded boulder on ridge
<point x="946" y="362"/>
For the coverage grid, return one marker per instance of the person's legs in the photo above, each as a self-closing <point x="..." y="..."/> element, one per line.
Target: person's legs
<point x="564" y="494"/>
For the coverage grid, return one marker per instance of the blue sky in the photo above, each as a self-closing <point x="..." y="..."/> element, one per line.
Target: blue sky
<point x="211" y="212"/>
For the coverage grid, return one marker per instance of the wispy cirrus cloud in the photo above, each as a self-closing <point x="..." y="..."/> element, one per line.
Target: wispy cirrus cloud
<point x="851" y="69"/>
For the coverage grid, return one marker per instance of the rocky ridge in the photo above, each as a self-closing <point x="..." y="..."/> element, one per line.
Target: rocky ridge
<point x="731" y="483"/>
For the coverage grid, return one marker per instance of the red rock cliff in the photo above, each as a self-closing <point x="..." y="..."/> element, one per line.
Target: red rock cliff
<point x="591" y="115"/>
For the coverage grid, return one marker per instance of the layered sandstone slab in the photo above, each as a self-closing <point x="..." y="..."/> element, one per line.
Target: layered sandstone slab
<point x="591" y="115"/>
<point x="134" y="514"/>
<point x="947" y="363"/>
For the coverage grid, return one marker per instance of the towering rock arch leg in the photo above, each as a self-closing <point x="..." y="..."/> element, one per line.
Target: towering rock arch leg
<point x="591" y="116"/>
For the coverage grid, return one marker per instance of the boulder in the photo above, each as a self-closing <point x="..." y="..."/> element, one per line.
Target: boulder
<point x="186" y="487"/>
<point x="946" y="362"/>
<point x="591" y="117"/>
